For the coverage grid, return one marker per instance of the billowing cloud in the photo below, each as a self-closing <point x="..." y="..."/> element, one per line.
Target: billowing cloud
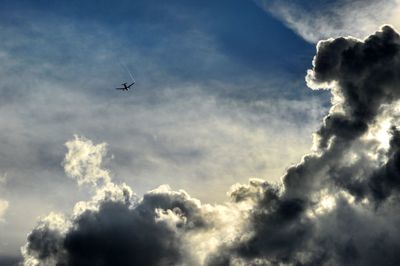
<point x="83" y="161"/>
<point x="164" y="227"/>
<point x="338" y="206"/>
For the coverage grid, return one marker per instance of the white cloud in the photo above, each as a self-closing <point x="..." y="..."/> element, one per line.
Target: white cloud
<point x="83" y="161"/>
<point x="340" y="18"/>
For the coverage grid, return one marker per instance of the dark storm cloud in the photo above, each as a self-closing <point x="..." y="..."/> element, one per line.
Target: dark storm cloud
<point x="117" y="236"/>
<point x="367" y="73"/>
<point x="119" y="233"/>
<point x="368" y="77"/>
<point x="46" y="244"/>
<point x="280" y="229"/>
<point x="338" y="206"/>
<point x="287" y="226"/>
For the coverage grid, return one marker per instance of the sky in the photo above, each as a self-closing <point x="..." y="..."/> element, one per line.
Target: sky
<point x="245" y="135"/>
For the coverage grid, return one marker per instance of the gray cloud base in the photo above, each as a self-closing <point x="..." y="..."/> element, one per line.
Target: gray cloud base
<point x="119" y="233"/>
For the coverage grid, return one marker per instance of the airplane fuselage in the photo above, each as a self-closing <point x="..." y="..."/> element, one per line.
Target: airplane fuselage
<point x="126" y="87"/>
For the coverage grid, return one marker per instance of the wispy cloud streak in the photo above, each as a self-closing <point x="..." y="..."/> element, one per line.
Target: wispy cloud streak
<point x="319" y="20"/>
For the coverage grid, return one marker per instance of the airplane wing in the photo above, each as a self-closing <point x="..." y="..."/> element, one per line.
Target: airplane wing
<point x="131" y="84"/>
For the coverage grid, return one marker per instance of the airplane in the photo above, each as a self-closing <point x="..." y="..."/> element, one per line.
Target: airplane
<point x="125" y="88"/>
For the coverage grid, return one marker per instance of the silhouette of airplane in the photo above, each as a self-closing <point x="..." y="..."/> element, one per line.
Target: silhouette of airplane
<point x="125" y="88"/>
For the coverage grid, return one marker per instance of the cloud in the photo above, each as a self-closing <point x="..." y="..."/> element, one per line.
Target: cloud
<point x="341" y="202"/>
<point x="83" y="161"/>
<point x="164" y="227"/>
<point x="126" y="232"/>
<point x="192" y="134"/>
<point x="318" y="20"/>
<point x="122" y="236"/>
<point x="3" y="208"/>
<point x="338" y="206"/>
<point x="3" y="178"/>
<point x="4" y="204"/>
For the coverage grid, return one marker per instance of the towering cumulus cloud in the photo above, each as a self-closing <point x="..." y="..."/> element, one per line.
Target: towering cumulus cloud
<point x="339" y="206"/>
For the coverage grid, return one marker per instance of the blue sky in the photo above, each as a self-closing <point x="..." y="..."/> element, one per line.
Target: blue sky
<point x="173" y="35"/>
<point x="220" y="95"/>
